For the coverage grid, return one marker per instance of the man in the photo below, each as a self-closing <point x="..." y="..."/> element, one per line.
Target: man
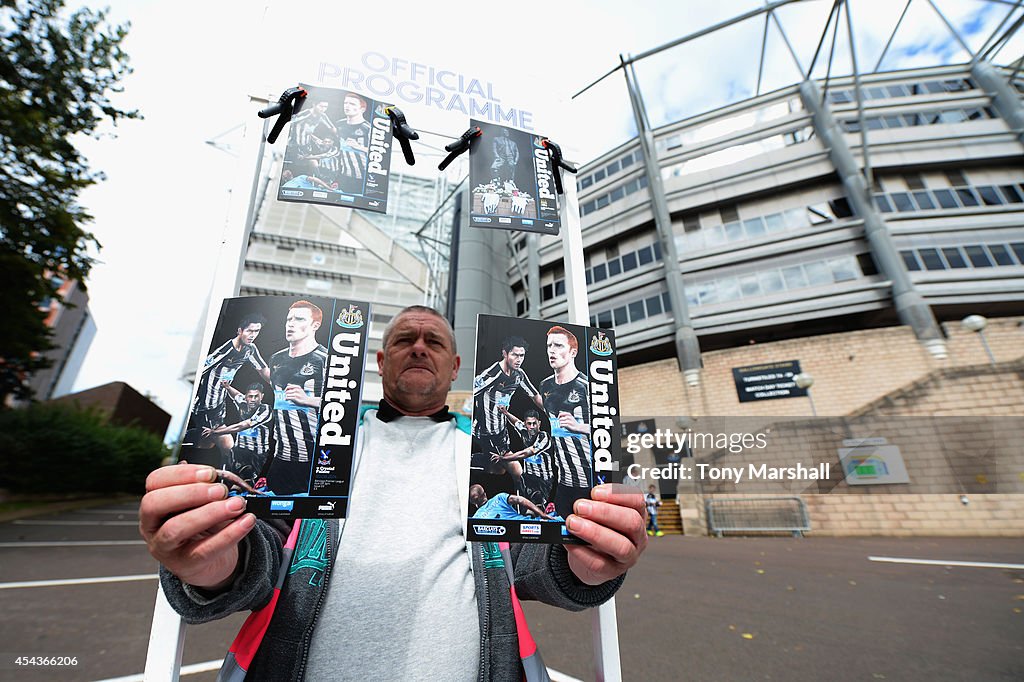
<point x="652" y="502"/>
<point x="504" y="506"/>
<point x="395" y="596"/>
<point x="354" y="132"/>
<point x="566" y="396"/>
<point x="531" y="466"/>
<point x="493" y="390"/>
<point x="506" y="157"/>
<point x="305" y="125"/>
<point x="253" y="440"/>
<point x="208" y="410"/>
<point x="297" y="374"/>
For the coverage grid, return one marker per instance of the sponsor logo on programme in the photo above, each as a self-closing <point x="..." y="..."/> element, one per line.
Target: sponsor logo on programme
<point x="489" y="530"/>
<point x="319" y="195"/>
<point x="504" y="220"/>
<point x="549" y="224"/>
<point x="530" y="529"/>
<point x="292" y="192"/>
<point x="526" y="221"/>
<point x="281" y="505"/>
<point x="478" y="219"/>
<point x="327" y="506"/>
<point x="346" y="198"/>
<point x="374" y="203"/>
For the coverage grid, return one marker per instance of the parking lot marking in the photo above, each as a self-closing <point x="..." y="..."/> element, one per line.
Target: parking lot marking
<point x="34" y="522"/>
<point x="74" y="543"/>
<point x="78" y="581"/>
<point x="936" y="562"/>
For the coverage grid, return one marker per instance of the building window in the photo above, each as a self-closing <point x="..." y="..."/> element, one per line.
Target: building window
<point x="867" y="264"/>
<point x="653" y="305"/>
<point x="978" y="257"/>
<point x="956" y="178"/>
<point x="931" y="259"/>
<point x="645" y="255"/>
<point x="954" y="258"/>
<point x="629" y="261"/>
<point x="924" y="200"/>
<point x="989" y="196"/>
<point x="560" y="287"/>
<point x="600" y="273"/>
<point x="636" y="311"/>
<point x="620" y="315"/>
<point x="946" y="198"/>
<point x="1000" y="254"/>
<point x="910" y="260"/>
<point x="614" y="267"/>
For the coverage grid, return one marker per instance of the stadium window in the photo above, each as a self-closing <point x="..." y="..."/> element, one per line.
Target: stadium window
<point x="599" y="175"/>
<point x="924" y="200"/>
<point x="934" y="87"/>
<point x="843" y="269"/>
<point x="645" y="256"/>
<point x="1011" y="194"/>
<point x="911" y="120"/>
<point x="656" y="246"/>
<point x="946" y="198"/>
<point x="706" y="293"/>
<point x="910" y="260"/>
<point x="636" y="311"/>
<point x="851" y="126"/>
<point x="840" y="96"/>
<point x="952" y="116"/>
<point x="913" y="180"/>
<point x="989" y="196"/>
<point x="954" y="257"/>
<point x="612" y="167"/>
<point x="882" y="202"/>
<point x="614" y="267"/>
<point x="818" y="273"/>
<point x="604" y="319"/>
<point x="840" y="207"/>
<point x="642" y="180"/>
<point x="620" y="315"/>
<point x="728" y="289"/>
<point x="990" y="112"/>
<point x="618" y="193"/>
<point x="897" y="90"/>
<point x="589" y="275"/>
<point x="520" y="307"/>
<point x="931" y="259"/>
<point x="754" y="228"/>
<point x="774" y="223"/>
<point x="967" y="197"/>
<point x="560" y="287"/>
<point x="733" y="232"/>
<point x="902" y="202"/>
<point x="666" y="302"/>
<point x="653" y="305"/>
<point x="627" y="160"/>
<point x="771" y="281"/>
<point x="593" y="320"/>
<point x="600" y="273"/>
<point x="794" y="277"/>
<point x="867" y="264"/>
<point x="749" y="286"/>
<point x="893" y="121"/>
<point x="975" y="114"/>
<point x="691" y="222"/>
<point x="1001" y="254"/>
<point x="873" y="123"/>
<point x="691" y="298"/>
<point x="601" y="201"/>
<point x="978" y="257"/>
<point x="956" y="85"/>
<point x="586" y="181"/>
<point x="547" y="292"/>
<point x="629" y="261"/>
<point x="929" y="117"/>
<point x="729" y="213"/>
<point x="1018" y="248"/>
<point x="956" y="178"/>
<point x="874" y="93"/>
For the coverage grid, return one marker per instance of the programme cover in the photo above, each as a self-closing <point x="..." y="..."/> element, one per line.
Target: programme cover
<point x="511" y="176"/>
<point x="338" y="152"/>
<point x="277" y="402"/>
<point x="545" y="426"/>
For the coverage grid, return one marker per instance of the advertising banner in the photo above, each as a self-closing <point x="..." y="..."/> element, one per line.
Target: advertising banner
<point x="278" y="403"/>
<point x="338" y="152"/>
<point x="545" y="426"/>
<point x="511" y="178"/>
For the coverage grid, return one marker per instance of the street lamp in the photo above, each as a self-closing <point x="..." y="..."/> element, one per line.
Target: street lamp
<point x="977" y="324"/>
<point x="805" y="380"/>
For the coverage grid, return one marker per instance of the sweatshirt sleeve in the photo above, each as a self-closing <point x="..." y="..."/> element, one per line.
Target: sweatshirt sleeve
<point x="543" y="574"/>
<point x="260" y="554"/>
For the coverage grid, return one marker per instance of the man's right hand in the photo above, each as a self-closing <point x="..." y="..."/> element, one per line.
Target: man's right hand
<point x="190" y="527"/>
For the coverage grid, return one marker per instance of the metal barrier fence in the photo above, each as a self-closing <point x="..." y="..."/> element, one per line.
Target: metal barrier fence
<point x="757" y="514"/>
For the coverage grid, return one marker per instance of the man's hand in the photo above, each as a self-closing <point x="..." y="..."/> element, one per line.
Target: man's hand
<point x="613" y="522"/>
<point x="295" y="394"/>
<point x="190" y="527"/>
<point x="569" y="423"/>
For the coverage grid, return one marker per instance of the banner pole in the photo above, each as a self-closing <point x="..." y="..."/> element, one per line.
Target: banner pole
<point x="605" y="627"/>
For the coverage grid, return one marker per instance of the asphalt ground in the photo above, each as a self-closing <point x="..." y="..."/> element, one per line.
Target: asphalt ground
<point x="694" y="609"/>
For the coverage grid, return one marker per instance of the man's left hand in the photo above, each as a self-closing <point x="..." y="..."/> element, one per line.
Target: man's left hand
<point x="612" y="521"/>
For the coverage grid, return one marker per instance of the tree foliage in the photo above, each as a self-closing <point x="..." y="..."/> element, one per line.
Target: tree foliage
<point x="57" y="70"/>
<point x="53" y="448"/>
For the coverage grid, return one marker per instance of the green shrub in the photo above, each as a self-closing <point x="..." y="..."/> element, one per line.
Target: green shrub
<point x="60" y="449"/>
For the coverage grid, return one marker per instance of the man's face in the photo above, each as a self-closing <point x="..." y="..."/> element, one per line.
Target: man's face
<point x="560" y="353"/>
<point x="299" y="325"/>
<point x="531" y="424"/>
<point x="477" y="495"/>
<point x="253" y="398"/>
<point x="321" y="107"/>
<point x="351" y="106"/>
<point x="514" y="358"/>
<point x="419" y="364"/>
<point x="249" y="334"/>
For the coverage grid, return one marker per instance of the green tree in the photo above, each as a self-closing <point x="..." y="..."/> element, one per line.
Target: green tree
<point x="56" y="72"/>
